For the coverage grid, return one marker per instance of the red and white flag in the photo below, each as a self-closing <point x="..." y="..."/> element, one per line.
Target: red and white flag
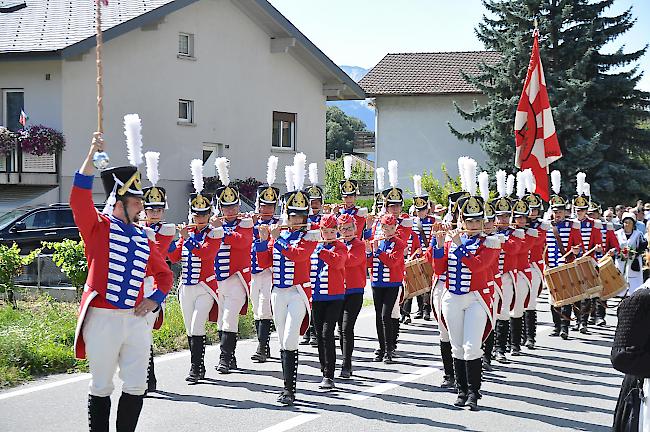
<point x="537" y="144"/>
<point x="23" y="118"/>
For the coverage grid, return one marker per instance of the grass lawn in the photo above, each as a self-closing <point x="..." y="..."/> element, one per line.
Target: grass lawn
<point x="37" y="338"/>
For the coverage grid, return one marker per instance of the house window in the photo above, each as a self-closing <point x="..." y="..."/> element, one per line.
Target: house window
<point x="13" y="102"/>
<point x="185" y="111"/>
<point x="185" y="45"/>
<point x="284" y="130"/>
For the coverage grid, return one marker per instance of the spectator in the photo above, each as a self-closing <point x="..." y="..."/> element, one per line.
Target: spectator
<point x="609" y="215"/>
<point x="631" y="355"/>
<point x="646" y="211"/>
<point x="633" y="244"/>
<point x="640" y="221"/>
<point x="620" y="209"/>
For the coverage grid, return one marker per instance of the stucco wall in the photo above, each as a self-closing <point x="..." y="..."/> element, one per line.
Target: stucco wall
<point x="413" y="130"/>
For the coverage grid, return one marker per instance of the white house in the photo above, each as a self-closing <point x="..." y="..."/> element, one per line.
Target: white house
<point x="208" y="78"/>
<point x="414" y="96"/>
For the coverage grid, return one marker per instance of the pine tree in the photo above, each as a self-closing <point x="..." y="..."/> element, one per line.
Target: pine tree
<point x="597" y="110"/>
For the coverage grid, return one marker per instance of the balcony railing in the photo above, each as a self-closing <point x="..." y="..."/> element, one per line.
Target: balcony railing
<point x="19" y="167"/>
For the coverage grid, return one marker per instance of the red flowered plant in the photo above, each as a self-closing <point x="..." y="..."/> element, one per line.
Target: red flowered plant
<point x="41" y="140"/>
<point x="8" y="141"/>
<point x="247" y="187"/>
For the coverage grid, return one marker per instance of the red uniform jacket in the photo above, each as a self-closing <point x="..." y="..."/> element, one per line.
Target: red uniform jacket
<point x="164" y="237"/>
<point x="95" y="229"/>
<point x="355" y="267"/>
<point x="335" y="259"/>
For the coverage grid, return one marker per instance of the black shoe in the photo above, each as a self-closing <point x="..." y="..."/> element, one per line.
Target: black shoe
<point x="461" y="400"/>
<point x="591" y="320"/>
<point x="388" y="358"/>
<point x="128" y="412"/>
<point x="448" y="382"/>
<point x="583" y="329"/>
<point x="600" y="322"/>
<point x="233" y="363"/>
<point x="472" y="401"/>
<point x="427" y="315"/>
<point x="287" y="398"/>
<point x="530" y="344"/>
<point x="419" y="315"/>
<point x="228" y="342"/>
<point x="379" y="356"/>
<point x="576" y="327"/>
<point x="516" y="351"/>
<point x="501" y="358"/>
<point x="99" y="411"/>
<point x="345" y="373"/>
<point x="555" y="332"/>
<point x="326" y="384"/>
<point x="564" y="334"/>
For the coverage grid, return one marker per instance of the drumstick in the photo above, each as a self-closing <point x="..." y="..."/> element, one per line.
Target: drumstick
<point x="418" y="251"/>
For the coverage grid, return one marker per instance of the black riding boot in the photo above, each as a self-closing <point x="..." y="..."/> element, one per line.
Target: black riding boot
<point x="99" y="412"/>
<point x="448" y="380"/>
<point x="233" y="357"/>
<point x="488" y="345"/>
<point x="128" y="412"/>
<point x="193" y="375"/>
<point x="263" y="336"/>
<point x="531" y="328"/>
<point x="228" y="340"/>
<point x="501" y="340"/>
<point x="460" y="369"/>
<point x="585" y="309"/>
<point x="515" y="335"/>
<point x="474" y="383"/>
<point x="557" y="321"/>
<point x="290" y="374"/>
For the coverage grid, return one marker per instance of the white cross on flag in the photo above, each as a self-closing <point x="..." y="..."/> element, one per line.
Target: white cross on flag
<point x="537" y="144"/>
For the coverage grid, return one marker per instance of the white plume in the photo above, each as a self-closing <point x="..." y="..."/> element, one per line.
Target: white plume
<point x="461" y="171"/>
<point x="587" y="189"/>
<point x="152" y="158"/>
<point x="417" y="185"/>
<point x="347" y="167"/>
<point x="380" y="178"/>
<point x="470" y="175"/>
<point x="501" y="183"/>
<point x="521" y="184"/>
<point x="531" y="185"/>
<point x="580" y="182"/>
<point x="393" y="179"/>
<point x="133" y="133"/>
<point x="299" y="170"/>
<point x="556" y="181"/>
<point x="313" y="173"/>
<point x="510" y="185"/>
<point x="484" y="185"/>
<point x="196" y="166"/>
<point x="271" y="168"/>
<point x="288" y="178"/>
<point x="222" y="165"/>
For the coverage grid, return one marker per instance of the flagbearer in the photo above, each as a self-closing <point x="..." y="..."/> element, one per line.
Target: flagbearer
<point x="232" y="265"/>
<point x="115" y="314"/>
<point x="155" y="203"/>
<point x="261" y="277"/>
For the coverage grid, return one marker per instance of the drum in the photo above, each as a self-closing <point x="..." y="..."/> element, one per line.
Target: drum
<point x="611" y="278"/>
<point x="417" y="278"/>
<point x="571" y="282"/>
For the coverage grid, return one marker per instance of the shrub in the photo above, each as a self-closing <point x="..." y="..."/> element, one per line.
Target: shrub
<point x="334" y="173"/>
<point x="8" y="141"/>
<point x="70" y="257"/>
<point x="41" y="140"/>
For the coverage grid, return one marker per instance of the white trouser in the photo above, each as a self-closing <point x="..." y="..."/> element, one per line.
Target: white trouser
<point x="196" y="303"/>
<point x="536" y="284"/>
<point x="436" y="302"/>
<point x="644" y="415"/>
<point x="508" y="290"/>
<point x="466" y="320"/>
<point x="261" y="284"/>
<point x="288" y="312"/>
<point x="116" y="337"/>
<point x="232" y="296"/>
<point x="522" y="289"/>
<point x="396" y="313"/>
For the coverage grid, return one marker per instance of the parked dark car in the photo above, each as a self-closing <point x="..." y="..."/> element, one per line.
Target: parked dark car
<point x="29" y="226"/>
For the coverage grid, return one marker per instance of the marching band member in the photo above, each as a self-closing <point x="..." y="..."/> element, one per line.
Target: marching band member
<point x="355" y="282"/>
<point x="520" y="214"/>
<point x="327" y="275"/>
<point x="261" y="277"/>
<point x="466" y="305"/>
<point x="316" y="196"/>
<point x="115" y="320"/>
<point x="591" y="240"/>
<point x="349" y="190"/>
<point x="610" y="244"/>
<point x="289" y="252"/>
<point x="155" y="203"/>
<point x="562" y="238"/>
<point x="232" y="265"/>
<point x="387" y="263"/>
<point x="197" y="290"/>
<point x="536" y="260"/>
<point x="511" y="240"/>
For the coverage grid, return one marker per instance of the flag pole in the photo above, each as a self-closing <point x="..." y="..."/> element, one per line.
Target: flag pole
<point x="100" y="71"/>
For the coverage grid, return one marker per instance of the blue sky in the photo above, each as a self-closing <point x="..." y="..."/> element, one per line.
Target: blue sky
<point x="361" y="32"/>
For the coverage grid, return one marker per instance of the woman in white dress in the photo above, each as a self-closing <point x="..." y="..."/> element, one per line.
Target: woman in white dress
<point x="633" y="244"/>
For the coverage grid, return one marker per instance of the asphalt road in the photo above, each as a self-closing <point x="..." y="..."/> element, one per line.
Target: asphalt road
<point x="562" y="385"/>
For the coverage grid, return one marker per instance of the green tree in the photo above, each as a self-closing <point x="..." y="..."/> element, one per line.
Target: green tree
<point x="70" y="257"/>
<point x="340" y="129"/>
<point x="437" y="190"/>
<point x="596" y="107"/>
<point x="334" y="174"/>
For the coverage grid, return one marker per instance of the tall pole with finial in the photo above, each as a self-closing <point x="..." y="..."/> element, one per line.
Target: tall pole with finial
<point x="100" y="158"/>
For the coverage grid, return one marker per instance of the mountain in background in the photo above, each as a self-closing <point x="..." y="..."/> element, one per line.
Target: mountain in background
<point x="357" y="108"/>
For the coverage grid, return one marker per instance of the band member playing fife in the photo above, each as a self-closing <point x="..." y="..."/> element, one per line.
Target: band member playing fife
<point x="115" y="314"/>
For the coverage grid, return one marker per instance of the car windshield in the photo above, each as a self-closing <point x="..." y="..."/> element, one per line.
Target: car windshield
<point x="10" y="216"/>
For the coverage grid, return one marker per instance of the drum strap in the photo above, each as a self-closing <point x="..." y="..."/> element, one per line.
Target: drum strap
<point x="558" y="239"/>
<point x="423" y="235"/>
